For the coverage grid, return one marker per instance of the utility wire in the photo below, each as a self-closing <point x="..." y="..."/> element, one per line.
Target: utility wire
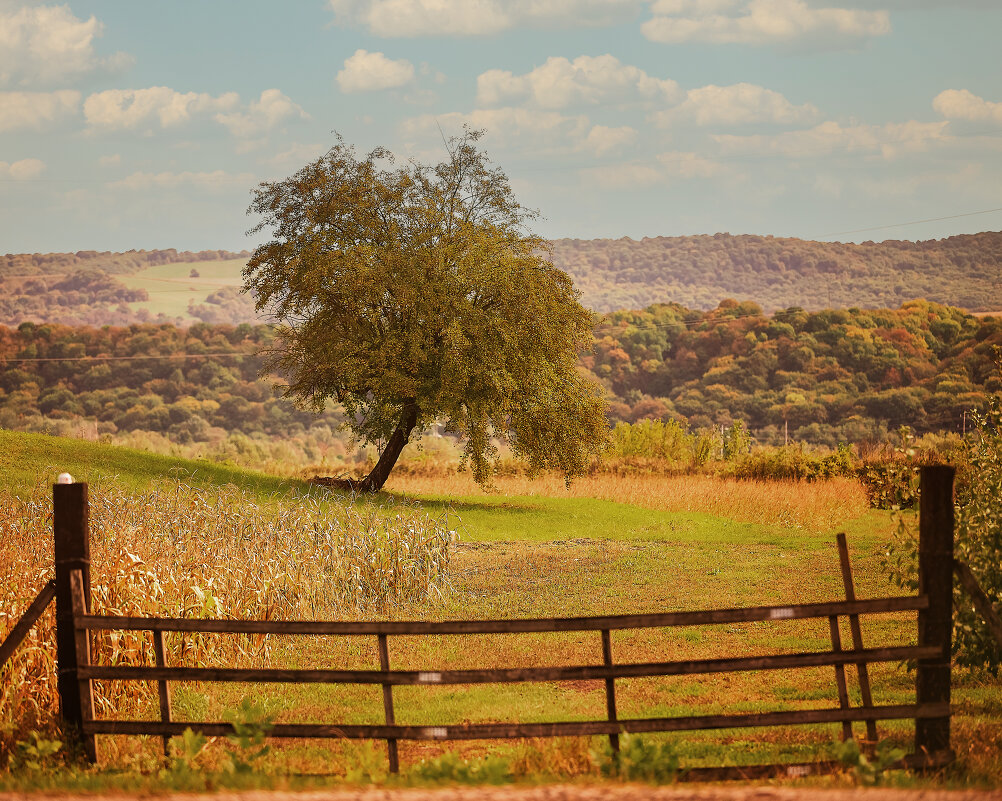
<point x="913" y="222"/>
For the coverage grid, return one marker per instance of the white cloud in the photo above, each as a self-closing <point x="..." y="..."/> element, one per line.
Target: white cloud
<point x="685" y="165"/>
<point x="560" y="83"/>
<point x="667" y="168"/>
<point x="408" y="18"/>
<point x="762" y="22"/>
<point x="602" y="140"/>
<point x="740" y="104"/>
<point x="962" y="104"/>
<point x="23" y="170"/>
<point x="369" y="72"/>
<point x="110" y="161"/>
<point x="118" y="109"/>
<point x="262" y="115"/>
<point x="217" y="180"/>
<point x="129" y="108"/>
<point x="529" y="129"/>
<point x="890" y="140"/>
<point x="624" y="176"/>
<point x="44" y="44"/>
<point x="297" y="155"/>
<point x="35" y="110"/>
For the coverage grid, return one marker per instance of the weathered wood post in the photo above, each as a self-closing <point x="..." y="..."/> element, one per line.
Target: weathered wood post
<point x="932" y="678"/>
<point x="70" y="520"/>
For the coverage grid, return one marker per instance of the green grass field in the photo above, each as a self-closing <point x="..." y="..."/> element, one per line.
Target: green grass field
<point x="171" y="287"/>
<point x="527" y="556"/>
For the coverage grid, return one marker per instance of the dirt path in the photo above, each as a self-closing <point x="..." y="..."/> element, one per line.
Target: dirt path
<point x="570" y="793"/>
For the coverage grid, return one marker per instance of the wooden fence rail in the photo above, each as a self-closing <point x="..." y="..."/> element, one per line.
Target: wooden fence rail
<point x="931" y="710"/>
<point x="28" y="619"/>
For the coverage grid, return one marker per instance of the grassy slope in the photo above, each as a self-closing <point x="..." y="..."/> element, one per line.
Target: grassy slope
<point x="529" y="556"/>
<point x="171" y="289"/>
<point x="28" y="459"/>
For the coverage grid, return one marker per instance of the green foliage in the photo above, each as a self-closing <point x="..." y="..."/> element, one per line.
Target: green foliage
<point x="639" y="760"/>
<point x="892" y="485"/>
<point x="366" y="765"/>
<point x="869" y="772"/>
<point x="978" y="540"/>
<point x="35" y="753"/>
<point x="251" y="724"/>
<point x="668" y="441"/>
<point x="184" y="765"/>
<point x="416" y="294"/>
<point x="794" y="463"/>
<point x="737" y="441"/>
<point x="450" y="768"/>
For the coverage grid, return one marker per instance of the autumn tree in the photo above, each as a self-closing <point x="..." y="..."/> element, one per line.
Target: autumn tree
<point x="416" y="294"/>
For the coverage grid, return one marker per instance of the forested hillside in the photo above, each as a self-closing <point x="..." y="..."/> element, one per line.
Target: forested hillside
<point x="700" y="271"/>
<point x="828" y="376"/>
<point x="28" y="264"/>
<point x="694" y="271"/>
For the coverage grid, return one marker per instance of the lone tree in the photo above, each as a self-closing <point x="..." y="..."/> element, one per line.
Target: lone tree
<point x="417" y="294"/>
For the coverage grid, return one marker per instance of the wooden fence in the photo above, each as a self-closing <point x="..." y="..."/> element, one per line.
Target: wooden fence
<point x="931" y="710"/>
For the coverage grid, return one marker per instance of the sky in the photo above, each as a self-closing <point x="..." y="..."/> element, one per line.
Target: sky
<point x="148" y="125"/>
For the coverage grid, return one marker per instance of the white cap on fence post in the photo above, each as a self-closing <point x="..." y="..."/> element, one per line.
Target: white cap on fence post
<point x="64" y="478"/>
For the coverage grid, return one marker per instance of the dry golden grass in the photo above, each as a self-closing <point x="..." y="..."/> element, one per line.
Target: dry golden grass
<point x="817" y="506"/>
<point x="179" y="551"/>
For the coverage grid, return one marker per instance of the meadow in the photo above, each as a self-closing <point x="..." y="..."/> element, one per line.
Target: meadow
<point x="194" y="537"/>
<point x="172" y="287"/>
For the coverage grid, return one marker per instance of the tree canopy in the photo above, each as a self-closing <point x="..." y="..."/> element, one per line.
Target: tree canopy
<point x="416" y="294"/>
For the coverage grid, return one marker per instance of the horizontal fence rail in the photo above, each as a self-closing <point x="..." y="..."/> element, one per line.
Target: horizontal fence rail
<point x="28" y="619"/>
<point x="608" y="671"/>
<point x="523" y="626"/>
<point x="495" y="731"/>
<point x="510" y="675"/>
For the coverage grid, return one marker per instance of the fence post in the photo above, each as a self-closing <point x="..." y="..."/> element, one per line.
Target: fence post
<point x="610" y="688"/>
<point x="935" y="624"/>
<point x="72" y="552"/>
<point x="391" y="743"/>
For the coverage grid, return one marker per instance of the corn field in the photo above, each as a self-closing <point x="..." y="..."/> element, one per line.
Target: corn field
<point x="180" y="551"/>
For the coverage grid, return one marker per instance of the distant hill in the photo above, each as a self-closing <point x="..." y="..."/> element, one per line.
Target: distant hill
<point x="90" y="287"/>
<point x="131" y="261"/>
<point x="699" y="271"/>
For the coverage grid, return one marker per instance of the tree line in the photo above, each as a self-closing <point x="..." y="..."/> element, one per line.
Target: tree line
<point x="777" y="272"/>
<point x="821" y="377"/>
<point x="131" y="261"/>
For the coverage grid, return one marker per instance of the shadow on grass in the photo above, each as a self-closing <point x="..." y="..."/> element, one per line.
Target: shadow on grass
<point x="506" y="506"/>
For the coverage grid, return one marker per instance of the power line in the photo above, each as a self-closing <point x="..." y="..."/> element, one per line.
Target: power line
<point x="913" y="222"/>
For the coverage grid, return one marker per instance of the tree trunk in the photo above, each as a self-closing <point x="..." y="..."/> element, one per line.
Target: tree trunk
<point x="375" y="480"/>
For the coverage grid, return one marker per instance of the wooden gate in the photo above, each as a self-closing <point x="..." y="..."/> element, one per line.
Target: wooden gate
<point x="931" y="710"/>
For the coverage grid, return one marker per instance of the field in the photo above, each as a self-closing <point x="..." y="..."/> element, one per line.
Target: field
<point x="171" y="287"/>
<point x="606" y="545"/>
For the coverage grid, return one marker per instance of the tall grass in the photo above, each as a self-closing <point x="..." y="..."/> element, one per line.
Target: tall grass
<point x="177" y="550"/>
<point x="814" y="506"/>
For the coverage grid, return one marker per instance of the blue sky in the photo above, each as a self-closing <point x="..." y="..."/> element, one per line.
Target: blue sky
<point x="147" y="125"/>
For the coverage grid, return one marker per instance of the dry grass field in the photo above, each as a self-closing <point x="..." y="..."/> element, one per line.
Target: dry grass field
<point x="605" y="545"/>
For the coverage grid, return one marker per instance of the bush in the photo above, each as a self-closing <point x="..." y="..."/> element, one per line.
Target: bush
<point x="978" y="539"/>
<point x="793" y="463"/>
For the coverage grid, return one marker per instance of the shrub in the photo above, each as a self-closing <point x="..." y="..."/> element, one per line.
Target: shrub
<point x="978" y="539"/>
